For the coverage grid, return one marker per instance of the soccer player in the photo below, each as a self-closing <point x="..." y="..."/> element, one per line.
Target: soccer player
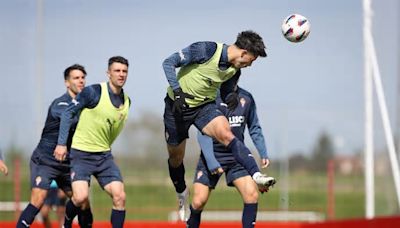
<point x="43" y="166"/>
<point x="243" y="115"/>
<point x="3" y="166"/>
<point x="204" y="67"/>
<point x="104" y="109"/>
<point x="55" y="198"/>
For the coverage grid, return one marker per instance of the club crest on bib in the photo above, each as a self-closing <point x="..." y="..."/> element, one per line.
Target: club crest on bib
<point x="242" y="101"/>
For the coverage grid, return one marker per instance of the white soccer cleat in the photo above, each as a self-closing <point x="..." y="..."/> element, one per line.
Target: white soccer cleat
<point x="184" y="210"/>
<point x="263" y="181"/>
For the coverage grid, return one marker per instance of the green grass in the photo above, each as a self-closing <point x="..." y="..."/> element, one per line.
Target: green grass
<point x="154" y="198"/>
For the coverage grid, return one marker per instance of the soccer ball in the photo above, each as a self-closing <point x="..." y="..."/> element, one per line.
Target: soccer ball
<point x="295" y="28"/>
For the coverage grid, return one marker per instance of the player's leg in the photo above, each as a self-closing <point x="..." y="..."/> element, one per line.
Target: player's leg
<point x="60" y="206"/>
<point x="80" y="196"/>
<point x="237" y="176"/>
<point x="110" y="179"/>
<point x="176" y="132"/>
<point x="204" y="182"/>
<point x="85" y="216"/>
<point x="44" y="212"/>
<point x="201" y="193"/>
<point x="47" y="206"/>
<point x="70" y="209"/>
<point x="40" y="184"/>
<point x="219" y="128"/>
<point x="81" y="171"/>
<point x="116" y="190"/>
<point x="248" y="190"/>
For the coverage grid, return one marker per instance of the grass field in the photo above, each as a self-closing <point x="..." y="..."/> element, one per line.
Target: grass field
<point x="154" y="198"/>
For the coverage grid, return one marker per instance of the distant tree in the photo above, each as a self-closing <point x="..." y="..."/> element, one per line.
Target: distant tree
<point x="298" y="161"/>
<point x="323" y="151"/>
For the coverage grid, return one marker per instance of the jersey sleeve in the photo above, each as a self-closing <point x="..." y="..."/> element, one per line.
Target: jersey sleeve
<point x="255" y="130"/>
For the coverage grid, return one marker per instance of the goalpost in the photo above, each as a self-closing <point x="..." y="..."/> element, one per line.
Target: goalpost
<point x="372" y="79"/>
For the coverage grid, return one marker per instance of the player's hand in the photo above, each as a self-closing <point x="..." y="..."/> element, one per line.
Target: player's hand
<point x="264" y="163"/>
<point x="60" y="153"/>
<point x="217" y="171"/>
<point x="179" y="100"/>
<point x="3" y="167"/>
<point x="232" y="100"/>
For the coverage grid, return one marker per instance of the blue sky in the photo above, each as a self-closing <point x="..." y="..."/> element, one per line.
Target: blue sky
<point x="300" y="89"/>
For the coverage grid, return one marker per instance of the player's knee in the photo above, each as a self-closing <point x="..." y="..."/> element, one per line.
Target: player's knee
<point x="119" y="199"/>
<point x="226" y="136"/>
<point x="80" y="199"/>
<point x="198" y="203"/>
<point x="251" y="196"/>
<point x="176" y="159"/>
<point x="37" y="199"/>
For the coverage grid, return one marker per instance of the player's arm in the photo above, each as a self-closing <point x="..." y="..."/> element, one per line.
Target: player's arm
<point x="207" y="148"/>
<point x="256" y="134"/>
<point x="88" y="98"/>
<point x="3" y="166"/>
<point x="198" y="52"/>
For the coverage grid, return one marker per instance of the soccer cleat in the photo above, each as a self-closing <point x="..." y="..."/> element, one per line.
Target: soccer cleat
<point x="263" y="181"/>
<point x="184" y="210"/>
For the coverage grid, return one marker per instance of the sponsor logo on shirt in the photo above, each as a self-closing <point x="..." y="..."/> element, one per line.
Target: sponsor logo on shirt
<point x="236" y="121"/>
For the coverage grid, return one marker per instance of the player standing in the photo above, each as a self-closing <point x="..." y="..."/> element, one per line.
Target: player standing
<point x="44" y="166"/>
<point x="104" y="110"/>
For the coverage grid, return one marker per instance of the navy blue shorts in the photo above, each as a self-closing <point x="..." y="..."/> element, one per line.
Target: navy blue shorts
<point x="52" y="198"/>
<point x="42" y="173"/>
<point x="100" y="164"/>
<point x="232" y="170"/>
<point x="177" y="125"/>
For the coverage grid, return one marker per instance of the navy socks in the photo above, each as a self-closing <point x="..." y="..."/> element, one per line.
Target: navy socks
<point x="177" y="176"/>
<point x="117" y="218"/>
<point x="249" y="215"/>
<point x="70" y="212"/>
<point x="194" y="219"/>
<point x="27" y="216"/>
<point x="85" y="218"/>
<point x="243" y="155"/>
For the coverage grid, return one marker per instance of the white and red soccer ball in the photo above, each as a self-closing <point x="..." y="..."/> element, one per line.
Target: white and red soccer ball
<point x="295" y="28"/>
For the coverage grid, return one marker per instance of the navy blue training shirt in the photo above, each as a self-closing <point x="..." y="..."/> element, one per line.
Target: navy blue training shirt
<point x="50" y="132"/>
<point x="244" y="115"/>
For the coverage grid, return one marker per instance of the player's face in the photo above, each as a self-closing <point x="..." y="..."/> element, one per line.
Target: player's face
<point x="246" y="59"/>
<point x="118" y="73"/>
<point x="76" y="82"/>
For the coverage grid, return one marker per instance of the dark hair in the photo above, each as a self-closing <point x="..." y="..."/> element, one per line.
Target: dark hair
<point x="73" y="67"/>
<point x="251" y="42"/>
<point x="118" y="59"/>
